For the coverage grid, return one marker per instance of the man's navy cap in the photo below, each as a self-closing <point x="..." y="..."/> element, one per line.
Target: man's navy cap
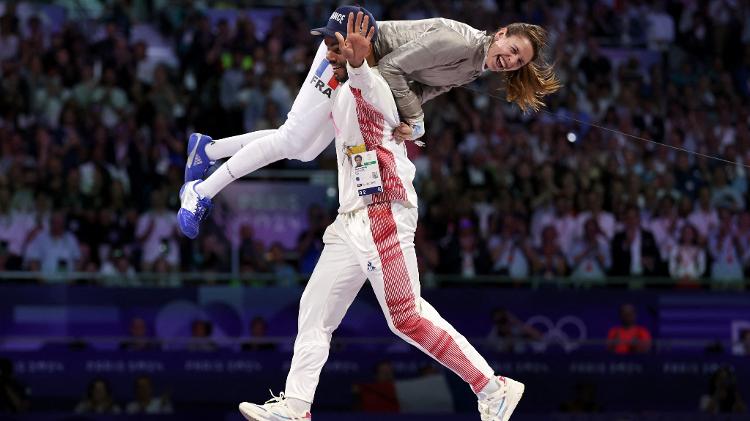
<point x="337" y="22"/>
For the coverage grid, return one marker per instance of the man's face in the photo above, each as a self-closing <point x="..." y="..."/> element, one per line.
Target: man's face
<point x="632" y="219"/>
<point x="143" y="388"/>
<point x="57" y="224"/>
<point x="337" y="60"/>
<point x="508" y="53"/>
<point x="627" y="315"/>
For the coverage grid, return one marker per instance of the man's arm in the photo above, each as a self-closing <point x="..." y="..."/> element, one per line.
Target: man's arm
<point x="434" y="48"/>
<point x="362" y="81"/>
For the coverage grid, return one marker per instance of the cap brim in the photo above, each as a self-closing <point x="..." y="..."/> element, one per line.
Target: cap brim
<point x="323" y="32"/>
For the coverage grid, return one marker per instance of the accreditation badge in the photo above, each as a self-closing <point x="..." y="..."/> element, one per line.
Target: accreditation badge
<point x="366" y="172"/>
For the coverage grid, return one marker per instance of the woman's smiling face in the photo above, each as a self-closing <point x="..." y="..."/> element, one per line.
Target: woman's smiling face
<point x="508" y="53"/>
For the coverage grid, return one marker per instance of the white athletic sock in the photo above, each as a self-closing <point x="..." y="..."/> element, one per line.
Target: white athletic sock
<point x="492" y="386"/>
<point x="298" y="405"/>
<point x="228" y="146"/>
<point x="256" y="154"/>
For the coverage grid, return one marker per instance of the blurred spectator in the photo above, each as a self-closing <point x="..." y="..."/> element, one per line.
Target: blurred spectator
<point x="4" y="256"/>
<point x="428" y="256"/>
<point x="725" y="247"/>
<point x="510" y="249"/>
<point x="742" y="347"/>
<point x="742" y="230"/>
<point x="98" y="399"/>
<point x="509" y="334"/>
<point x="687" y="261"/>
<point x="584" y="401"/>
<point x="14" y="229"/>
<point x="589" y="257"/>
<point x="145" y="402"/>
<point x="465" y="253"/>
<point x="284" y="274"/>
<point x="213" y="254"/>
<point x="110" y="97"/>
<point x="605" y="220"/>
<point x="252" y="256"/>
<point x="726" y="191"/>
<point x="258" y="328"/>
<point x="9" y="40"/>
<point x="156" y="231"/>
<point x="661" y="27"/>
<point x="200" y="336"/>
<point x="549" y="261"/>
<point x="140" y="339"/>
<point x="594" y="66"/>
<point x="634" y="250"/>
<point x="723" y="394"/>
<point x="380" y="394"/>
<point x="704" y="218"/>
<point x="54" y="250"/>
<point x="665" y="224"/>
<point x="14" y="396"/>
<point x="628" y="337"/>
<point x="563" y="220"/>
<point x="118" y="271"/>
<point x="310" y="242"/>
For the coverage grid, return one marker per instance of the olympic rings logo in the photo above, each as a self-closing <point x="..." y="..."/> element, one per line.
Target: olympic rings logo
<point x="569" y="331"/>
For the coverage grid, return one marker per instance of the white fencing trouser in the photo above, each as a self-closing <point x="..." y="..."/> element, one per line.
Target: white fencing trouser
<point x="376" y="242"/>
<point x="307" y="131"/>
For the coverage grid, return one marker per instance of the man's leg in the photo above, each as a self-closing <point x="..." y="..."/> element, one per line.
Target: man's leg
<point x="388" y="249"/>
<point x="306" y="132"/>
<point x="334" y="284"/>
<point x="228" y="146"/>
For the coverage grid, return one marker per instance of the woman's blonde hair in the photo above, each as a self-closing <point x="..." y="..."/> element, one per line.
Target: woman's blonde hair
<point x="528" y="85"/>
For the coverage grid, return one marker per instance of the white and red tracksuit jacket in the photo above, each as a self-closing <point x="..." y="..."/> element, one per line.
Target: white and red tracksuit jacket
<point x="364" y="112"/>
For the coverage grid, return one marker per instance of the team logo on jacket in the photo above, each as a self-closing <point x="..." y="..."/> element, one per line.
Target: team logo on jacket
<point x="324" y="79"/>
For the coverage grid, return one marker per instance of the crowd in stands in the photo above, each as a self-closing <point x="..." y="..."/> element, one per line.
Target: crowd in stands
<point x="94" y="121"/>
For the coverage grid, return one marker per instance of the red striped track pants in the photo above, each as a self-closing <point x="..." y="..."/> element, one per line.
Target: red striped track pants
<point x="375" y="243"/>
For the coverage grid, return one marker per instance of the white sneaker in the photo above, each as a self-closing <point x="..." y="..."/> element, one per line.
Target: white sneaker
<point x="193" y="209"/>
<point x="499" y="406"/>
<point x="275" y="409"/>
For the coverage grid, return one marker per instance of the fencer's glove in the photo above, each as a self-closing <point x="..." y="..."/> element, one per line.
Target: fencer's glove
<point x="417" y="129"/>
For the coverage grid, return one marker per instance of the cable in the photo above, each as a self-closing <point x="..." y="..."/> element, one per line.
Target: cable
<point x="627" y="135"/>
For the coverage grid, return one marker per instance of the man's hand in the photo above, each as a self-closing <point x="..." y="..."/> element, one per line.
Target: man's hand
<point x="402" y="132"/>
<point x="405" y="131"/>
<point x="356" y="47"/>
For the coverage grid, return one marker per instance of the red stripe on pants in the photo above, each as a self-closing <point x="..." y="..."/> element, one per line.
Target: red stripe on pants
<point x="401" y="302"/>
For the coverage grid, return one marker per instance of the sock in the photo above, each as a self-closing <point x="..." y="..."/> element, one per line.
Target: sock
<point x="254" y="155"/>
<point x="492" y="386"/>
<point x="219" y="179"/>
<point x="298" y="405"/>
<point x="228" y="146"/>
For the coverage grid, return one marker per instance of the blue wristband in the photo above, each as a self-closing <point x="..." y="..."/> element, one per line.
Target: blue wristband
<point x="417" y="130"/>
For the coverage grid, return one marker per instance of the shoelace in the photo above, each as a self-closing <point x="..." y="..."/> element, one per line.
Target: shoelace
<point x="202" y="211"/>
<point x="486" y="407"/>
<point x="278" y="403"/>
<point x="275" y="399"/>
<point x="485" y="414"/>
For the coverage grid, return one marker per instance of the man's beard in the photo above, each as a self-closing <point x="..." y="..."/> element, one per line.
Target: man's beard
<point x="341" y="79"/>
